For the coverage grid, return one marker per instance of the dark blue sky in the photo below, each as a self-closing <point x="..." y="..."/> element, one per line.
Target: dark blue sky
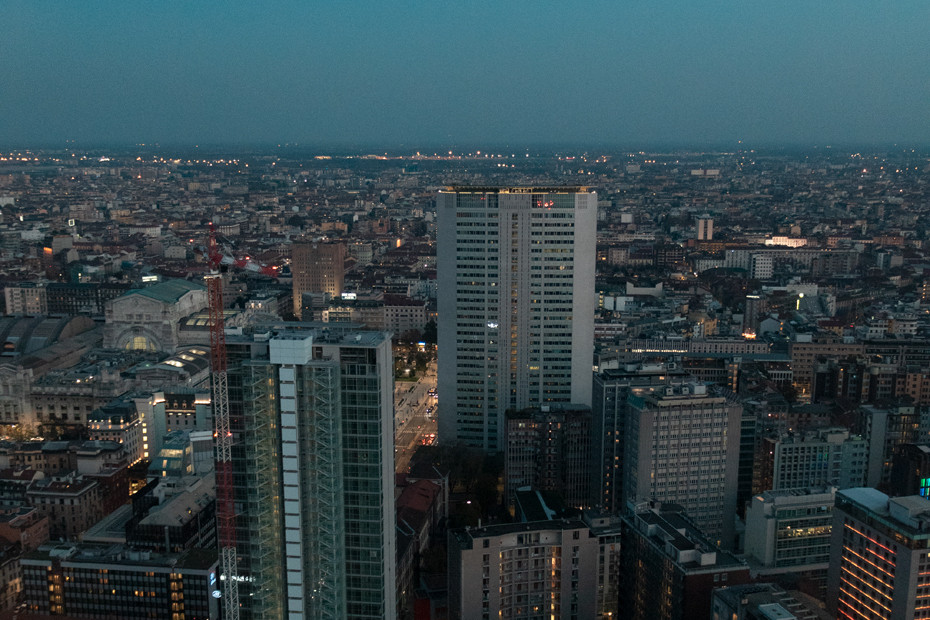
<point x="454" y="72"/>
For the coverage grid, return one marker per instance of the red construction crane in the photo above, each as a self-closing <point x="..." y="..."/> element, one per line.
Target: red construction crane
<point x="226" y="508"/>
<point x="217" y="256"/>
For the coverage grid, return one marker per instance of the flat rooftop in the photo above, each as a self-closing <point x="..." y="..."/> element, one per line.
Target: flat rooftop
<point x="505" y="189"/>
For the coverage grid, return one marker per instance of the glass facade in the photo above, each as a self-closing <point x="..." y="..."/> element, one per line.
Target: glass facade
<point x="314" y="473"/>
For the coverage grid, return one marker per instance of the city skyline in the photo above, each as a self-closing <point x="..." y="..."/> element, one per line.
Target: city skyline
<point x="424" y="74"/>
<point x="730" y="362"/>
<point x="464" y="310"/>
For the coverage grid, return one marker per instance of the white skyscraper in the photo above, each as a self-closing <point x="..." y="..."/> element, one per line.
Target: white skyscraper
<point x="516" y="305"/>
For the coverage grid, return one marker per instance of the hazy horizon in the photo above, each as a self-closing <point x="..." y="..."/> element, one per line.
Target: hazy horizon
<point x="540" y="75"/>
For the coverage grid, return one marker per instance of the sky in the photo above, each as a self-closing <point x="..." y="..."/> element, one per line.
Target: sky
<point x="455" y="73"/>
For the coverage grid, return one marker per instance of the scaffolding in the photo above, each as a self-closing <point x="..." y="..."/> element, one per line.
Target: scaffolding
<point x="323" y="526"/>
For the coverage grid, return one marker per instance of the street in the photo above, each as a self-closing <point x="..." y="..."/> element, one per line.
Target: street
<point x="413" y="425"/>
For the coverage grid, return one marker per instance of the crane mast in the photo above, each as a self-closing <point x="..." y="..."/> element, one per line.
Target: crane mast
<point x="226" y="509"/>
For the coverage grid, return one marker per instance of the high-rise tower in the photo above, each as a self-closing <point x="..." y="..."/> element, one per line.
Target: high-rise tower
<point x="317" y="267"/>
<point x="516" y="305"/>
<point x="314" y="469"/>
<point x="682" y="446"/>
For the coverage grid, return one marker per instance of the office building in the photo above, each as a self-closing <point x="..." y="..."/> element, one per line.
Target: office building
<point x="669" y="569"/>
<point x="549" y="449"/>
<point x="682" y="446"/>
<point x="887" y="428"/>
<point x="764" y="601"/>
<point x="523" y="570"/>
<point x="611" y="389"/>
<point x="789" y="532"/>
<point x="516" y="305"/>
<point x="312" y="414"/>
<point x="819" y="457"/>
<point x="910" y="473"/>
<point x="317" y="267"/>
<point x="879" y="556"/>
<point x="115" y="581"/>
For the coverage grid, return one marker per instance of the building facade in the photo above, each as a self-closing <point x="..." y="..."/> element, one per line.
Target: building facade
<point x="317" y="267"/>
<point x="879" y="556"/>
<point x="549" y="449"/>
<point x="516" y="305"/>
<point x="149" y="319"/>
<point x="26" y="298"/>
<point x="820" y="457"/>
<point x="315" y="455"/>
<point x="88" y="581"/>
<point x="611" y="390"/>
<point x="682" y="446"/>
<point x="524" y="570"/>
<point x="789" y="531"/>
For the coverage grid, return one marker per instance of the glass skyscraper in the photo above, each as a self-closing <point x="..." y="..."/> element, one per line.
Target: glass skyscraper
<point x="313" y="466"/>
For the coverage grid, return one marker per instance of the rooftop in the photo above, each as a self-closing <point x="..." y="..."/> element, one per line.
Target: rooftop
<point x="676" y="537"/>
<point x="169" y="291"/>
<point x="504" y="189"/>
<point x="898" y="516"/>
<point x="466" y="537"/>
<point x="116" y="555"/>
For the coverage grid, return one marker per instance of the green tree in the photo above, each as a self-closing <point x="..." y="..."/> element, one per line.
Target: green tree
<point x="430" y="332"/>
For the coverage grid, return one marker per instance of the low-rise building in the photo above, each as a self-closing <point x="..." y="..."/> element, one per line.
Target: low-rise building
<point x="764" y="601"/>
<point x="117" y="581"/>
<point x="669" y="568"/>
<point x="72" y="504"/>
<point x="523" y="570"/>
<point x="23" y="525"/>
<point x="788" y="534"/>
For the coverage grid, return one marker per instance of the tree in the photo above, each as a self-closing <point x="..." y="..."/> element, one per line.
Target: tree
<point x="20" y="432"/>
<point x="430" y="333"/>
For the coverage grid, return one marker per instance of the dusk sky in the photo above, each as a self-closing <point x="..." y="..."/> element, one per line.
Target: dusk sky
<point x="455" y="73"/>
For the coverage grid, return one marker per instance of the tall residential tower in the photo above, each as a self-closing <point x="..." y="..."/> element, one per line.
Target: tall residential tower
<point x="516" y="305"/>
